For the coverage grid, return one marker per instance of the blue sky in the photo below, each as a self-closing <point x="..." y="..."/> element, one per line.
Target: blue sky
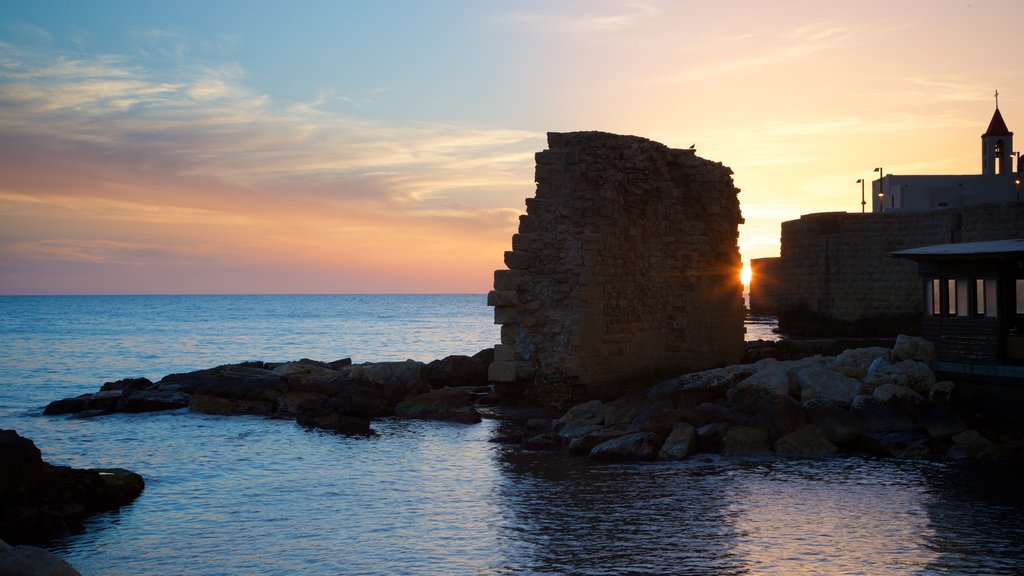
<point x="388" y="146"/>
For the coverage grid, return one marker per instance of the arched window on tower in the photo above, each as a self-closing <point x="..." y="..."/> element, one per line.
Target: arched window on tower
<point x="997" y="154"/>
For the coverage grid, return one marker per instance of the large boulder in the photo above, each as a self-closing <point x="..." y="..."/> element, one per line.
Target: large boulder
<point x="916" y="375"/>
<point x="680" y="443"/>
<point x="807" y="441"/>
<point x="580" y="420"/>
<point x="913" y="348"/>
<point x="854" y="362"/>
<point x="68" y="405"/>
<point x="631" y="447"/>
<point x="450" y="404"/>
<point x="39" y="501"/>
<point x="839" y="425"/>
<point x="455" y="371"/>
<point x="743" y="440"/>
<point x="314" y="377"/>
<point x="818" y="382"/>
<point x="395" y="380"/>
<point x="337" y="414"/>
<point x="25" y="560"/>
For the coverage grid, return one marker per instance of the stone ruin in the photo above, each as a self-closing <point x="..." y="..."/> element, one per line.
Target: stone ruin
<point x="625" y="270"/>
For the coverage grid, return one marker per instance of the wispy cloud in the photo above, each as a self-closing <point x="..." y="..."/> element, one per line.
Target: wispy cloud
<point x="598" y="18"/>
<point x="208" y="124"/>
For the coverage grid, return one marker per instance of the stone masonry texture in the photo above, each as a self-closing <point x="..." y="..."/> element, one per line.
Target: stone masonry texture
<point x="625" y="269"/>
<point x="837" y="274"/>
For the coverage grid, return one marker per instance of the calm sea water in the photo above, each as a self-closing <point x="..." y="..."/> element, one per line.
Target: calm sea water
<point x="246" y="495"/>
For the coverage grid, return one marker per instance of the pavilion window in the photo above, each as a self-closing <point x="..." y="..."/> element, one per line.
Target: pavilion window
<point x="961" y="297"/>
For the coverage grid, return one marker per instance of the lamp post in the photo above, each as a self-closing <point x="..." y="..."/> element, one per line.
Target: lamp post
<point x="862" y="202"/>
<point x="881" y="192"/>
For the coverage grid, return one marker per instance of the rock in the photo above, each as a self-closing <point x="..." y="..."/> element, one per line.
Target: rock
<point x="743" y="440"/>
<point x="708" y="386"/>
<point x="901" y="398"/>
<point x="582" y="445"/>
<point x="39" y="501"/>
<point x="660" y="419"/>
<point x="718" y="413"/>
<point x="817" y="382"/>
<point x="911" y="373"/>
<point x="624" y="410"/>
<point x="837" y="423"/>
<point x="25" y="560"/>
<point x="631" y="447"/>
<point x="970" y="444"/>
<point x="807" y="441"/>
<point x="313" y="378"/>
<point x="104" y="401"/>
<point x="216" y="405"/>
<point x="339" y="364"/>
<point x="153" y="401"/>
<point x="288" y="403"/>
<point x="539" y="435"/>
<point x="942" y="392"/>
<point x="67" y="405"/>
<point x="913" y="348"/>
<point x="450" y="404"/>
<point x="772" y="376"/>
<point x="680" y="443"/>
<point x="336" y="414"/>
<point x="856" y="361"/>
<point x="879" y="417"/>
<point x="455" y="371"/>
<point x="396" y="380"/>
<point x="709" y="436"/>
<point x="127" y="384"/>
<point x="580" y="419"/>
<point x="242" y="382"/>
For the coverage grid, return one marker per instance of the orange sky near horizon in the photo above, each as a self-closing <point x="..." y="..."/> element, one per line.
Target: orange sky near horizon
<point x="344" y="147"/>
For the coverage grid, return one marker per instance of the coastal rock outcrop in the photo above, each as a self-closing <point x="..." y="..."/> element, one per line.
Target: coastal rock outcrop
<point x="335" y="395"/>
<point x="39" y="500"/>
<point x="872" y="400"/>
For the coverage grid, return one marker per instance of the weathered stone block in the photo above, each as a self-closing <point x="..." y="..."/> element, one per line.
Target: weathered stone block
<point x="499" y="298"/>
<point x="501" y="372"/>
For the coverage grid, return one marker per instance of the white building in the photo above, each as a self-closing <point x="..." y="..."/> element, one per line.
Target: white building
<point x="997" y="182"/>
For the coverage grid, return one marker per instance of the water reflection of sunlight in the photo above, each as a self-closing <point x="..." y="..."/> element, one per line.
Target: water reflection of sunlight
<point x="815" y="526"/>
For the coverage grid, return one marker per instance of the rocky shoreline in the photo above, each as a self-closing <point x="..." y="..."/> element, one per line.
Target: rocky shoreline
<point x="876" y="401"/>
<point x="337" y="395"/>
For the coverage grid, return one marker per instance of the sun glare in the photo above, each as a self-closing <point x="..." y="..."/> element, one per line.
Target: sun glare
<point x="746" y="274"/>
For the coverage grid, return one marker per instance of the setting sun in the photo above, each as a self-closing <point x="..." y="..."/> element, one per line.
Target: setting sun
<point x="746" y="274"/>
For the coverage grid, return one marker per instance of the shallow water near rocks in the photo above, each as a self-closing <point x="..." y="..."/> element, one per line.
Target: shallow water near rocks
<point x="246" y="495"/>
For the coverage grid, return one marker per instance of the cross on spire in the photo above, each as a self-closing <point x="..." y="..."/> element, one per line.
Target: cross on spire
<point x="997" y="99"/>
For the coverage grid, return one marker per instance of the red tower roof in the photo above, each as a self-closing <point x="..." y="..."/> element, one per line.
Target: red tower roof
<point x="997" y="127"/>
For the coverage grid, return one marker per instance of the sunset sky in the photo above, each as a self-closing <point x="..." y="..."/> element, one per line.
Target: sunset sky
<point x="387" y="146"/>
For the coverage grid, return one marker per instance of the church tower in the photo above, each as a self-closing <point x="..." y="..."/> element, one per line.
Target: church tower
<point x="997" y="146"/>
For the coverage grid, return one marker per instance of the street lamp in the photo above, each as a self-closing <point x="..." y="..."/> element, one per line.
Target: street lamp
<point x="862" y="202"/>
<point x="881" y="192"/>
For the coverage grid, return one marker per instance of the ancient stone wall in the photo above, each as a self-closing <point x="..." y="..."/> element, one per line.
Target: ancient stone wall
<point x="837" y="274"/>
<point x="625" y="268"/>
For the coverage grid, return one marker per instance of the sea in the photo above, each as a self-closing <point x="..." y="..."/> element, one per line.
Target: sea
<point x="249" y="495"/>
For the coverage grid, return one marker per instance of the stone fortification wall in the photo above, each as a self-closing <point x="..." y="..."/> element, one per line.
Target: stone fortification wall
<point x="625" y="268"/>
<point x="836" y="272"/>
